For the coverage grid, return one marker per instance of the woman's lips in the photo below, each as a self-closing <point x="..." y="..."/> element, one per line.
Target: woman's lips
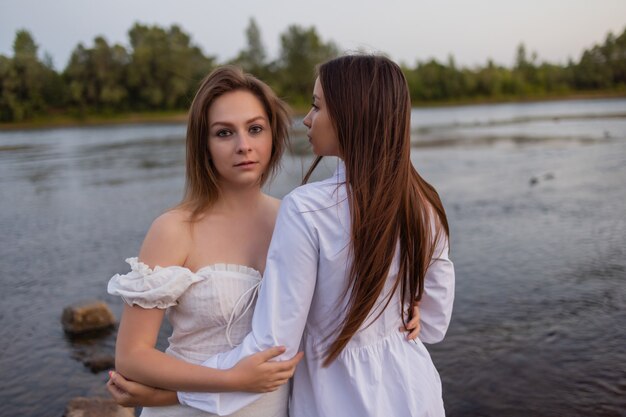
<point x="246" y="164"/>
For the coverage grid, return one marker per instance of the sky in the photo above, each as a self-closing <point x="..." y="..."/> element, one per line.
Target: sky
<point x="472" y="31"/>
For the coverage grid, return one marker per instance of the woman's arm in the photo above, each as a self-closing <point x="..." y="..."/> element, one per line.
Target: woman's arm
<point x="167" y="244"/>
<point x="133" y="394"/>
<point x="435" y="307"/>
<point x="137" y="359"/>
<point x="282" y="307"/>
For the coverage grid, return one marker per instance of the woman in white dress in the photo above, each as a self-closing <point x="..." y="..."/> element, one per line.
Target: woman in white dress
<point x="349" y="257"/>
<point x="200" y="262"/>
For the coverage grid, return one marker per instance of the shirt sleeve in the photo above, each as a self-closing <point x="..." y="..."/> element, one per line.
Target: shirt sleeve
<point x="438" y="297"/>
<point x="281" y="310"/>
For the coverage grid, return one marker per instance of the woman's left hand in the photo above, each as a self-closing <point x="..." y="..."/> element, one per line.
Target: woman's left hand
<point x="133" y="394"/>
<point x="413" y="326"/>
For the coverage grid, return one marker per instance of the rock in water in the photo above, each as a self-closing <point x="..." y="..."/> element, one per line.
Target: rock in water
<point x="98" y="363"/>
<point x="96" y="407"/>
<point x="87" y="316"/>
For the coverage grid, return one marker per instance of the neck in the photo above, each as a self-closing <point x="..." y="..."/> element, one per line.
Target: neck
<point x="238" y="199"/>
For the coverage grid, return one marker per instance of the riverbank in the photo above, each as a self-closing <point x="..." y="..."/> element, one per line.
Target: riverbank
<point x="180" y="117"/>
<point x="66" y="120"/>
<point x="580" y="95"/>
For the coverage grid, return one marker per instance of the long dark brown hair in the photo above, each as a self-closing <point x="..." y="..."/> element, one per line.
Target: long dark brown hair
<point x="201" y="186"/>
<point x="390" y="204"/>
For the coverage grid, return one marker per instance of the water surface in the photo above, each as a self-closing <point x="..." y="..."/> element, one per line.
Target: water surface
<point x="535" y="197"/>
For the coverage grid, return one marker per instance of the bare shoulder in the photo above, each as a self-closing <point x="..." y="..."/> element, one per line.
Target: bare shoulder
<point x="274" y="203"/>
<point x="168" y="240"/>
<point x="173" y="219"/>
<point x="171" y="225"/>
<point x="272" y="207"/>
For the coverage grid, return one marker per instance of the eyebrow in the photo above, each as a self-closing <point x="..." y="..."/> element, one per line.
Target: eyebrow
<point x="315" y="97"/>
<point x="254" y="119"/>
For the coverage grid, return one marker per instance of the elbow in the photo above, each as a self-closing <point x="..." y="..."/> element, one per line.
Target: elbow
<point x="432" y="336"/>
<point x="126" y="361"/>
<point x="122" y="364"/>
<point x="434" y="330"/>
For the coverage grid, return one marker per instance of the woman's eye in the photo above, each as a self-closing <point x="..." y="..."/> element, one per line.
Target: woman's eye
<point x="256" y="129"/>
<point x="222" y="133"/>
<point x="314" y="107"/>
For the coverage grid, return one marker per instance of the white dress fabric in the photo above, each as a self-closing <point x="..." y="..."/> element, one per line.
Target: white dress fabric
<point x="379" y="372"/>
<point x="210" y="312"/>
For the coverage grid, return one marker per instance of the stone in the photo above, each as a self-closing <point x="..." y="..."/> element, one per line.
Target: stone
<point x="87" y="316"/>
<point x="99" y="362"/>
<point x="96" y="407"/>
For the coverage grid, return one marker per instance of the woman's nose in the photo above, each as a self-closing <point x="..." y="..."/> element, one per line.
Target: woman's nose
<point x="307" y="120"/>
<point x="243" y="145"/>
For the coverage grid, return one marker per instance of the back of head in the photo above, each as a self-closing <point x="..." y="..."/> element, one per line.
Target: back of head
<point x="369" y="104"/>
<point x="368" y="100"/>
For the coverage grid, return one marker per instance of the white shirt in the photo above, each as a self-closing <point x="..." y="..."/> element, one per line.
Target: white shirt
<point x="379" y="372"/>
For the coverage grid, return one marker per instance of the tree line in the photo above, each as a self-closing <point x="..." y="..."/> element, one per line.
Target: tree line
<point x="161" y="69"/>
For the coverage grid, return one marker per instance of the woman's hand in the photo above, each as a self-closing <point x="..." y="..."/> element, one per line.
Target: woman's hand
<point x="413" y="326"/>
<point x="256" y="373"/>
<point x="133" y="394"/>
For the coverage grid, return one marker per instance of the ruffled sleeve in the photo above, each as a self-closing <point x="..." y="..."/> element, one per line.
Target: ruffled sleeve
<point x="152" y="288"/>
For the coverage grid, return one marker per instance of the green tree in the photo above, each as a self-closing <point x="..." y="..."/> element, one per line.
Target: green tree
<point x="165" y="67"/>
<point x="434" y="81"/>
<point x="253" y="58"/>
<point x="24" y="81"/>
<point x="487" y="81"/>
<point x="96" y="77"/>
<point x="592" y="71"/>
<point x="525" y="77"/>
<point x="7" y="98"/>
<point x="28" y="76"/>
<point x="618" y="60"/>
<point x="301" y="49"/>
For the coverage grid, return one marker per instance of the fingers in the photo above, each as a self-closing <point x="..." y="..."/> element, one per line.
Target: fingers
<point x="415" y="318"/>
<point x="271" y="353"/>
<point x="280" y="372"/>
<point x="120" y="382"/>
<point x="291" y="363"/>
<point x="274" y="385"/>
<point x="288" y="365"/>
<point x="119" y="396"/>
<point x="414" y="334"/>
<point x="413" y="326"/>
<point x="113" y="390"/>
<point x="283" y="376"/>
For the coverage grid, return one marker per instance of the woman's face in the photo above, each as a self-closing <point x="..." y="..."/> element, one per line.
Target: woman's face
<point x="321" y="132"/>
<point x="240" y="138"/>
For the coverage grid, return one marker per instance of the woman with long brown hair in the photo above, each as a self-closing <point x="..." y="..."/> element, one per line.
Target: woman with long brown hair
<point x="200" y="261"/>
<point x="349" y="257"/>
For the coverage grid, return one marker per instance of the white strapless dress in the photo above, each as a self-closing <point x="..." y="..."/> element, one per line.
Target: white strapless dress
<point x="210" y="312"/>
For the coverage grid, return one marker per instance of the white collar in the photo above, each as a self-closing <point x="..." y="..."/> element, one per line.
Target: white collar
<point x="340" y="171"/>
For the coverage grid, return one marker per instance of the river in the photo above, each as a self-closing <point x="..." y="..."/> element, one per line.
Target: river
<point x="536" y="199"/>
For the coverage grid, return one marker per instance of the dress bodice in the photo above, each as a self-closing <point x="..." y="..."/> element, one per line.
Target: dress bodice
<point x="209" y="310"/>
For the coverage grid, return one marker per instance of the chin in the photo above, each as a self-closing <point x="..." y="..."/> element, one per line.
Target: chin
<point x="248" y="182"/>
